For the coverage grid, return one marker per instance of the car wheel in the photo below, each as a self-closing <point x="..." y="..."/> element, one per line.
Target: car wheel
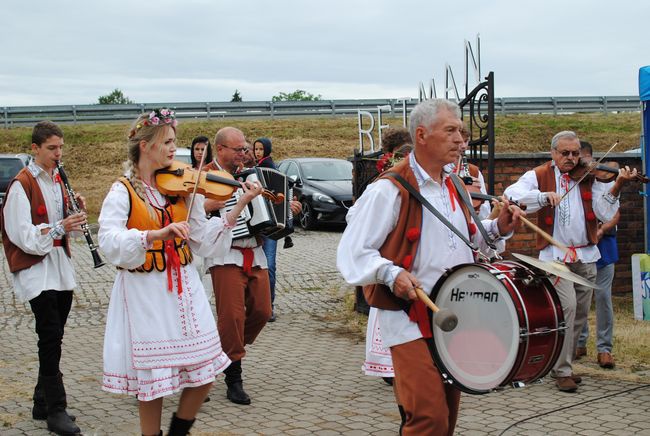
<point x="307" y="217"/>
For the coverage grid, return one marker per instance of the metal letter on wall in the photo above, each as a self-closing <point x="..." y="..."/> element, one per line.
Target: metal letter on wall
<point x="469" y="55"/>
<point x="404" y="101"/>
<point x="379" y="121"/>
<point x="450" y="85"/>
<point x="366" y="132"/>
<point x="422" y="94"/>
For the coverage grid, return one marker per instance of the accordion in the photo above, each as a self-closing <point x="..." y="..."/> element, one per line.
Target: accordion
<point x="262" y="216"/>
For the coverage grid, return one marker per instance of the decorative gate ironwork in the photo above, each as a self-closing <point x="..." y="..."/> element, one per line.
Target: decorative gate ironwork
<point x="478" y="109"/>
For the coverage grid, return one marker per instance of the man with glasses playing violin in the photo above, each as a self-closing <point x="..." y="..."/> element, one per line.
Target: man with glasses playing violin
<point x="571" y="216"/>
<point x="240" y="278"/>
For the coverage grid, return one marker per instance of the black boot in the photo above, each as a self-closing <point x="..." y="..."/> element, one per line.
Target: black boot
<point x="58" y="420"/>
<point x="179" y="427"/>
<point x="39" y="411"/>
<point x="236" y="392"/>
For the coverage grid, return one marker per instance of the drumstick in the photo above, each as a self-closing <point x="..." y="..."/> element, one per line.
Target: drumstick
<point x="548" y="237"/>
<point x="443" y="318"/>
<point x="426" y="300"/>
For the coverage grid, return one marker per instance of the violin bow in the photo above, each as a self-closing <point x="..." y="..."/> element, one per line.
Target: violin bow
<point x="196" y="185"/>
<point x="590" y="170"/>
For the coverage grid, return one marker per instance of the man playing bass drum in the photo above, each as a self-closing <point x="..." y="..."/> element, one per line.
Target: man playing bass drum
<point x="395" y="245"/>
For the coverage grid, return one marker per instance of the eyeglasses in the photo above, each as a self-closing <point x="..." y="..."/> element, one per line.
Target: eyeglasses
<point x="566" y="153"/>
<point x="236" y="150"/>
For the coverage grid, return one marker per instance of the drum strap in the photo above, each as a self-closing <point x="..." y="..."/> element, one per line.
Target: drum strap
<point x="432" y="209"/>
<point x="462" y="192"/>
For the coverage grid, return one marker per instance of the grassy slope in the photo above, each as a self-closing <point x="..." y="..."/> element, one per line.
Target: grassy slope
<point x="94" y="152"/>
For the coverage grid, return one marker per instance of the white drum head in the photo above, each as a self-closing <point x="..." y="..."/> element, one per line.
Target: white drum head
<point x="481" y="351"/>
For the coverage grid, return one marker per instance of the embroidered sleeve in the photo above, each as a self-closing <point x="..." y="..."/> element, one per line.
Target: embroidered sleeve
<point x="603" y="202"/>
<point x="121" y="246"/>
<point x="370" y="220"/>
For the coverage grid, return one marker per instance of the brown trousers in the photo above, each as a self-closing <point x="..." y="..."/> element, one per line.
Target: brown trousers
<point x="430" y="406"/>
<point x="243" y="306"/>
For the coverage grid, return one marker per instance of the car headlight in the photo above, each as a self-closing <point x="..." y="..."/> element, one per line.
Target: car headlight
<point x="323" y="198"/>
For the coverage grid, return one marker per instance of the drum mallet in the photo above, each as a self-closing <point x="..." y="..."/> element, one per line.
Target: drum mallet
<point x="443" y="318"/>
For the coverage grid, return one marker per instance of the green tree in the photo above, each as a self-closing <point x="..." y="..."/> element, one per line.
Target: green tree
<point x="236" y="97"/>
<point x="115" y="97"/>
<point x="297" y="95"/>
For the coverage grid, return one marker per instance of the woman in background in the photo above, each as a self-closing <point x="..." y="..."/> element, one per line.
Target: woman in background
<point x="200" y="145"/>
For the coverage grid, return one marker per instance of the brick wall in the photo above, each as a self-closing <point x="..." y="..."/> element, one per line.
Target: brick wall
<point x="509" y="167"/>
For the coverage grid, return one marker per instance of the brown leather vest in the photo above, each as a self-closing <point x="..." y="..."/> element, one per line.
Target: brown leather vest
<point x="546" y="215"/>
<point x="139" y="218"/>
<point x="17" y="258"/>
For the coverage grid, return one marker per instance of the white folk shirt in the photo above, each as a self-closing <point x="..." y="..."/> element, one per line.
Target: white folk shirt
<point x="55" y="271"/>
<point x="374" y="216"/>
<point x="234" y="256"/>
<point x="569" y="220"/>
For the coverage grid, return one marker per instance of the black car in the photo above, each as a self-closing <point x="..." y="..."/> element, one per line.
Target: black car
<point x="323" y="186"/>
<point x="10" y="164"/>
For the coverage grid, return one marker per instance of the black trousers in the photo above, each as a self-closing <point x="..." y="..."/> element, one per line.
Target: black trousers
<point x="51" y="309"/>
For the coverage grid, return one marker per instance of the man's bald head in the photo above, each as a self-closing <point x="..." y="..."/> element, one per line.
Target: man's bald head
<point x="229" y="143"/>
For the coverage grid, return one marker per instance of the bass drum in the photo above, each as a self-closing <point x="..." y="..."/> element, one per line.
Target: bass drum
<point x="510" y="326"/>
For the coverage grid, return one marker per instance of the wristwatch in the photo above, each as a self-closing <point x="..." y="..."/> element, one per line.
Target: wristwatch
<point x="57" y="231"/>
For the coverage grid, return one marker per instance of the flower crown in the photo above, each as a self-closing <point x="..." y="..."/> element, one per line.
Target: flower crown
<point x="159" y="117"/>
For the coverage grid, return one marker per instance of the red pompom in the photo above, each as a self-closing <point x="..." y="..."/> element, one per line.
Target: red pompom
<point x="41" y="210"/>
<point x="548" y="220"/>
<point x="590" y="215"/>
<point x="413" y="234"/>
<point x="586" y="195"/>
<point x="472" y="229"/>
<point x="407" y="261"/>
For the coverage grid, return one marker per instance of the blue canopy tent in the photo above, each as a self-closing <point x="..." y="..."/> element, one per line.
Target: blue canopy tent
<point x="644" y="95"/>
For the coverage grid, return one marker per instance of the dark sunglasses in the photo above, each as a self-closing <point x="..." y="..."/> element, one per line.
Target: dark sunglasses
<point x="566" y="153"/>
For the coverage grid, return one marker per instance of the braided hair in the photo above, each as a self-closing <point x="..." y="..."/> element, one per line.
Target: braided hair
<point x="153" y="135"/>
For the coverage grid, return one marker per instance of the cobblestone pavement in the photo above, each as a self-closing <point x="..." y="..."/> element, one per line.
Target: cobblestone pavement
<point x="303" y="374"/>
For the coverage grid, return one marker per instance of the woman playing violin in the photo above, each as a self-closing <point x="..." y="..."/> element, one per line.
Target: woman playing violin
<point x="159" y="324"/>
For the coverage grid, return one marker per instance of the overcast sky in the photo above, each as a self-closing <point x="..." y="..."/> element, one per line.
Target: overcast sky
<point x="71" y="52"/>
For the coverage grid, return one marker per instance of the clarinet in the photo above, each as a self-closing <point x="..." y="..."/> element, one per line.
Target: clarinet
<point x="463" y="172"/>
<point x="74" y="208"/>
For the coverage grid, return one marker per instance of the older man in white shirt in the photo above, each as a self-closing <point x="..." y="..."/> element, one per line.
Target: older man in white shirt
<point x="569" y="210"/>
<point x="392" y="242"/>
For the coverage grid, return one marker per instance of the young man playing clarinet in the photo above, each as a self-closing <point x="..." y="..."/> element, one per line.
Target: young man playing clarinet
<point x="35" y="236"/>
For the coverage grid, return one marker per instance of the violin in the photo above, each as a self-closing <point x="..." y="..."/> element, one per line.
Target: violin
<point x="468" y="180"/>
<point x="179" y="180"/>
<point x="600" y="172"/>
